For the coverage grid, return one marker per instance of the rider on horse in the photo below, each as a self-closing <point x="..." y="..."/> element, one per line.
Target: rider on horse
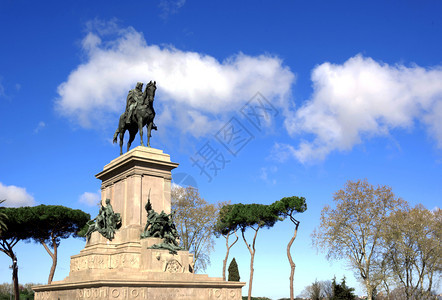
<point x="139" y="113"/>
<point x="134" y="98"/>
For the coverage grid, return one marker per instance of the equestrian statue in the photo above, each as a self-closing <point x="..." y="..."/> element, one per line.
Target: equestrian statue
<point x="139" y="113"/>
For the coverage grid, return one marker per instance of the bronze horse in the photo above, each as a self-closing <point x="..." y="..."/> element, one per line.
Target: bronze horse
<point x="144" y="115"/>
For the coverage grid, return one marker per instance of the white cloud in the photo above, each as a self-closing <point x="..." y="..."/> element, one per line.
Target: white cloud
<point x="267" y="172"/>
<point x="194" y="89"/>
<point x="39" y="127"/>
<point x="15" y="196"/>
<point x="90" y="199"/>
<point x="351" y="102"/>
<point x="433" y="119"/>
<point x="169" y="7"/>
<point x="363" y="98"/>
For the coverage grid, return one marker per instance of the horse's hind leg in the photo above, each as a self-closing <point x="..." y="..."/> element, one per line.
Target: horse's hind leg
<point x="131" y="138"/>
<point x="149" y="134"/>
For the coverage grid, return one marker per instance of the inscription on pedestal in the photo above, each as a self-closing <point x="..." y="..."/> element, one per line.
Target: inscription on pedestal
<point x="97" y="293"/>
<point x="166" y="294"/>
<point x="92" y="293"/>
<point x="128" y="293"/>
<point x="139" y="293"/>
<point x="224" y="294"/>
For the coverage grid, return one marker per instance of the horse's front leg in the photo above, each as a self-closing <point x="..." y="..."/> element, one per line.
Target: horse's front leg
<point x="121" y="142"/>
<point x="140" y="129"/>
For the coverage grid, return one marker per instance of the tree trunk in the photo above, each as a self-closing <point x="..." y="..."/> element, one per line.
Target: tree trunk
<point x="252" y="257"/>
<point x="227" y="253"/>
<point x="15" y="277"/>
<point x="54" y="259"/>
<point x="225" y="260"/>
<point x="289" y="256"/>
<point x="369" y="293"/>
<point x="249" y="297"/>
<point x="6" y="247"/>
<point x="292" y="268"/>
<point x="54" y="265"/>
<point x="227" y="256"/>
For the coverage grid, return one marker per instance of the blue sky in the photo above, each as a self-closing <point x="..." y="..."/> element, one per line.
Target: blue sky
<point x="353" y="90"/>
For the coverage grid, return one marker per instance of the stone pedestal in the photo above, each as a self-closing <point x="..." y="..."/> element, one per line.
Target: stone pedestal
<point x="128" y="179"/>
<point x="125" y="268"/>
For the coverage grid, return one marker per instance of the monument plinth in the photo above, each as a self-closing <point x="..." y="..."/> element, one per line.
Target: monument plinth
<point x="128" y="180"/>
<point x="126" y="267"/>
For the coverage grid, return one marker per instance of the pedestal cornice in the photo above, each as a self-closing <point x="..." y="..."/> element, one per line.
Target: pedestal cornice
<point x="138" y="161"/>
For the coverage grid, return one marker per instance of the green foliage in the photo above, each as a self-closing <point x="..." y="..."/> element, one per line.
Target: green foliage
<point x="289" y="205"/>
<point x="20" y="221"/>
<point x="241" y="216"/>
<point x="56" y="222"/>
<point x="20" y="224"/>
<point x="284" y="208"/>
<point x="233" y="271"/>
<point x="43" y="223"/>
<point x="341" y="291"/>
<point x="222" y="227"/>
<point x="255" y="216"/>
<point x="26" y="292"/>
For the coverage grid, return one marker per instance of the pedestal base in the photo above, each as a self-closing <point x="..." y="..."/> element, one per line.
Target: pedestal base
<point x="131" y="270"/>
<point x="153" y="290"/>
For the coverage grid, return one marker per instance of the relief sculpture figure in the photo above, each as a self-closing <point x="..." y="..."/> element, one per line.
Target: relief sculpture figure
<point x="106" y="223"/>
<point x="160" y="225"/>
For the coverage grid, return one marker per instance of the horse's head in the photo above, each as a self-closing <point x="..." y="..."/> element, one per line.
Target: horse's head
<point x="150" y="90"/>
<point x="151" y="85"/>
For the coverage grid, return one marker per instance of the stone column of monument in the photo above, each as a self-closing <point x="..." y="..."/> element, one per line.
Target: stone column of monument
<point x="126" y="267"/>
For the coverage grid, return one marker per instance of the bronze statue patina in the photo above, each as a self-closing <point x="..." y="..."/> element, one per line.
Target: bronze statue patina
<point x="139" y="113"/>
<point x="106" y="223"/>
<point x="161" y="226"/>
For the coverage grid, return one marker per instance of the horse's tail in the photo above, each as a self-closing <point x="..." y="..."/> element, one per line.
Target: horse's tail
<point x="116" y="136"/>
